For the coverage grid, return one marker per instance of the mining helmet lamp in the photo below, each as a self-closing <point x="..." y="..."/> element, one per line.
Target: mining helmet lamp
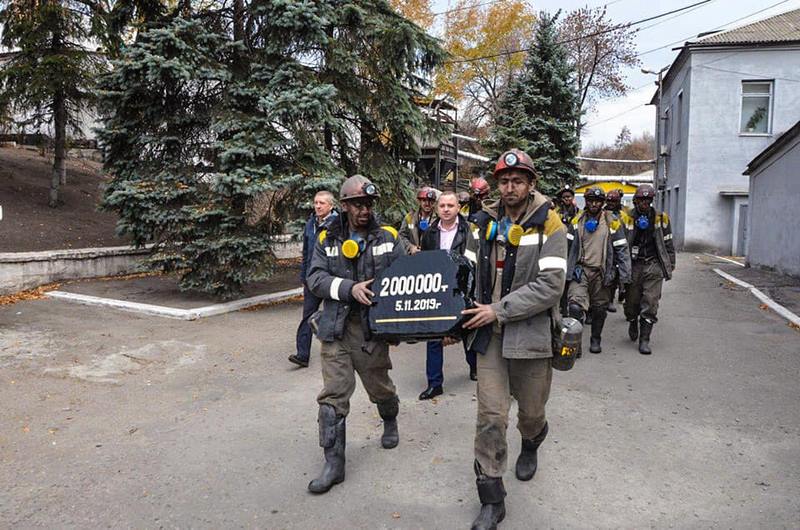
<point x="370" y="189"/>
<point x="511" y="159"/>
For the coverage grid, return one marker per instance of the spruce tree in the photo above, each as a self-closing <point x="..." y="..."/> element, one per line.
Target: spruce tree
<point x="540" y="110"/>
<point x="205" y="121"/>
<point x="49" y="77"/>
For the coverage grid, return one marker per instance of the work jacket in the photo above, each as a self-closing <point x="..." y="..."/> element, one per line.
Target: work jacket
<point x="310" y="234"/>
<point x="331" y="275"/>
<point x="567" y="213"/>
<point x="410" y="234"/>
<point x="533" y="279"/>
<point x="662" y="233"/>
<point x="431" y="238"/>
<point x="617" y="259"/>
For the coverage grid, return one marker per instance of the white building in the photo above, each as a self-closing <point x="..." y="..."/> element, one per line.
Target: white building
<point x="774" y="240"/>
<point x="724" y="100"/>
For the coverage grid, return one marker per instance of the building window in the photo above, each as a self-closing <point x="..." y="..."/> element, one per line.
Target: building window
<point x="679" y="119"/>
<point x="756" y="107"/>
<point x="665" y="138"/>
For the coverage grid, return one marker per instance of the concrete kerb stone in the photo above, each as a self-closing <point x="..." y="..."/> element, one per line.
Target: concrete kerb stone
<point x="772" y="304"/>
<point x="723" y="258"/>
<point x="173" y="312"/>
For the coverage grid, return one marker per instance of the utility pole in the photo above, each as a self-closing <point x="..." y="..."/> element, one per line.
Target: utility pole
<point x="659" y="121"/>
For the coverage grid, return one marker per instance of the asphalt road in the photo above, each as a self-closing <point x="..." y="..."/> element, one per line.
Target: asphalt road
<point x="108" y="419"/>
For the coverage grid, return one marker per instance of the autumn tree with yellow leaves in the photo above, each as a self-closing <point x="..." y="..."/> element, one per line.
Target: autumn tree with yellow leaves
<point x="481" y="40"/>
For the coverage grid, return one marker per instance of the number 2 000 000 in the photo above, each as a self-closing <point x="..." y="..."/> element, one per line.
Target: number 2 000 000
<point x="413" y="284"/>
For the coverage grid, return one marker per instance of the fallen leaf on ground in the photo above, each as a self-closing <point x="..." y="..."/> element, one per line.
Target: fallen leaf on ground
<point x="30" y="294"/>
<point x="395" y="515"/>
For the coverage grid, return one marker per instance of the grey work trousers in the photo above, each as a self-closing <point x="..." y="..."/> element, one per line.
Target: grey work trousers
<point x="644" y="292"/>
<point x="527" y="381"/>
<point x="342" y="359"/>
<point x="590" y="291"/>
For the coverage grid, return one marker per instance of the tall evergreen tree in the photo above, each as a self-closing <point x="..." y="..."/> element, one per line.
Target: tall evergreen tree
<point x="49" y="76"/>
<point x="294" y="98"/>
<point x="540" y="110"/>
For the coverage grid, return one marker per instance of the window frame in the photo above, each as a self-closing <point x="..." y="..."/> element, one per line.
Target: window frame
<point x="679" y="118"/>
<point x="770" y="105"/>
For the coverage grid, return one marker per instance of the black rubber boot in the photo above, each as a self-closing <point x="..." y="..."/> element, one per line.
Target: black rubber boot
<point x="527" y="462"/>
<point x="598" y="321"/>
<point x="633" y="329"/>
<point x="645" y="328"/>
<point x="388" y="410"/>
<point x="332" y="439"/>
<point x="575" y="311"/>
<point x="492" y="495"/>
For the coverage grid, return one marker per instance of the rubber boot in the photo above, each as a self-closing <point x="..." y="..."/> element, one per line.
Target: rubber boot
<point x="633" y="329"/>
<point x="645" y="328"/>
<point x="332" y="440"/>
<point x="388" y="410"/>
<point x="527" y="462"/>
<point x="598" y="320"/>
<point x="492" y="495"/>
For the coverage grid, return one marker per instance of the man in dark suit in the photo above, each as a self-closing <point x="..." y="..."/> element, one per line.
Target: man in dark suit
<point x="323" y="214"/>
<point x="448" y="232"/>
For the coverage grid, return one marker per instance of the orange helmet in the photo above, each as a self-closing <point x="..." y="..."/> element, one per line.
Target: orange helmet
<point x="479" y="186"/>
<point x="426" y="192"/>
<point x="515" y="159"/>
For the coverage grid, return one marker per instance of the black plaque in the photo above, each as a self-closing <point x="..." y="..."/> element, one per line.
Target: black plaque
<point x="421" y="297"/>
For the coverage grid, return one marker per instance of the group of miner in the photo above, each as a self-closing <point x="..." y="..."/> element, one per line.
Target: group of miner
<point x="535" y="260"/>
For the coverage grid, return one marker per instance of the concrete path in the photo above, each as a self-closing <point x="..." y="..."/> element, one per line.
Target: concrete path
<point x="111" y="419"/>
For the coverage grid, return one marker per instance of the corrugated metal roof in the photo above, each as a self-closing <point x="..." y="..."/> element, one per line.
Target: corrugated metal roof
<point x="784" y="27"/>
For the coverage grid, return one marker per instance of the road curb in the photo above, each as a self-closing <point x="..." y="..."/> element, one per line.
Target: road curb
<point x="174" y="312"/>
<point x="772" y="304"/>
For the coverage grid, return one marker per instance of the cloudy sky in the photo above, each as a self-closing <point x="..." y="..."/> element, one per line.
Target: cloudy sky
<point x="655" y="42"/>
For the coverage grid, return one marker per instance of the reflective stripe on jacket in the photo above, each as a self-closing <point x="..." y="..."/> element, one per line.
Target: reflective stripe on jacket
<point x="535" y="271"/>
<point x="331" y="275"/>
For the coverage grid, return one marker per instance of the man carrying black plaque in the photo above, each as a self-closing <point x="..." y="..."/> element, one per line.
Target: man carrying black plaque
<point x="519" y="246"/>
<point x="347" y="258"/>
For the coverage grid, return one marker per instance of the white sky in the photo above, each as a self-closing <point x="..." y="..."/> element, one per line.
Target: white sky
<point x="603" y="126"/>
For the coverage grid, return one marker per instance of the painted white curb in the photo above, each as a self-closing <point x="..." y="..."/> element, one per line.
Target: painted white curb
<point x="174" y="312"/>
<point x="772" y="304"/>
<point x="724" y="259"/>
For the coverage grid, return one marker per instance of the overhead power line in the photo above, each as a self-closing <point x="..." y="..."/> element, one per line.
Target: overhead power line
<point x="585" y="36"/>
<point x="464" y="8"/>
<point x="679" y="41"/>
<point x="754" y="13"/>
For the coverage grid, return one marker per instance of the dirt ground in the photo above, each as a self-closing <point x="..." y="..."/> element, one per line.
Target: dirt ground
<point x="163" y="289"/>
<point x="29" y="224"/>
